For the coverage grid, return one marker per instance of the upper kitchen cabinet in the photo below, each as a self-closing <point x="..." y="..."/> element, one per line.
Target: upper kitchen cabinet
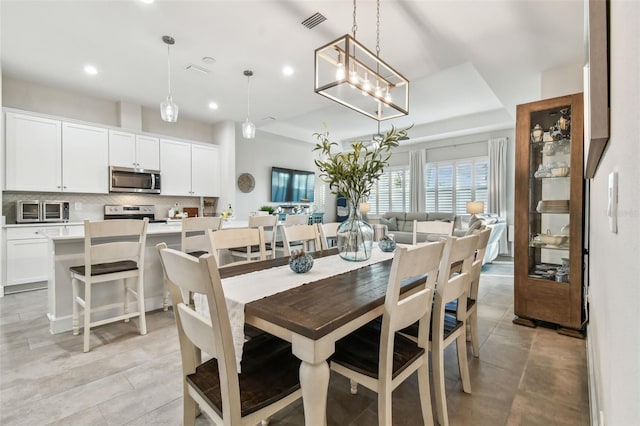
<point x="205" y="170"/>
<point x="131" y="150"/>
<point x="189" y="169"/>
<point x="85" y="158"/>
<point x="48" y="155"/>
<point x="33" y="153"/>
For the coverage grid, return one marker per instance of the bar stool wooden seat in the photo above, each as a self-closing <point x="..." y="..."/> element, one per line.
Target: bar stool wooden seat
<point x="113" y="252"/>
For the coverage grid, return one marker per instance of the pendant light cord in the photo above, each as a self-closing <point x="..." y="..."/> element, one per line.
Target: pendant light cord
<point x="354" y="28"/>
<point x="248" y="96"/>
<point x="377" y="29"/>
<point x="169" y="67"/>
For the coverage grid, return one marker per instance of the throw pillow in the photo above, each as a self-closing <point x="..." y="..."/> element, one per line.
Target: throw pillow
<point x="392" y="224"/>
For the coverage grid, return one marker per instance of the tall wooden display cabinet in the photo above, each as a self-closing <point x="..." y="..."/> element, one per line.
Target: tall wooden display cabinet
<point x="549" y="214"/>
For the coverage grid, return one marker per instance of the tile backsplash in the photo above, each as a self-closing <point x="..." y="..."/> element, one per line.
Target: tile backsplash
<point x="91" y="206"/>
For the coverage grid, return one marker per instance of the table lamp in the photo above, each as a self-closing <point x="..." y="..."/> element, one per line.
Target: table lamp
<point x="475" y="207"/>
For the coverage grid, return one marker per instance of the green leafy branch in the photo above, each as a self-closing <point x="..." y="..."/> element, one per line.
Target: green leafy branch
<point x="353" y="173"/>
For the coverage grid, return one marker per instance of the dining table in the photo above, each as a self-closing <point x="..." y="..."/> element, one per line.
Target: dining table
<point x="317" y="313"/>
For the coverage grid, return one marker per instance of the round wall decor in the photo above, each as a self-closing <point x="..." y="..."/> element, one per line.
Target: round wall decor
<point x="246" y="182"/>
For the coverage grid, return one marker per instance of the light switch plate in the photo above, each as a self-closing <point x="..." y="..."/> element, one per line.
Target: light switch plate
<point x="77" y="205"/>
<point x="612" y="203"/>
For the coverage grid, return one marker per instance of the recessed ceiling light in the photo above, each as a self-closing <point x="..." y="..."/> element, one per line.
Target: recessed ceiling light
<point x="147" y="1"/>
<point x="287" y="70"/>
<point x="208" y="60"/>
<point x="213" y="105"/>
<point x="90" y="69"/>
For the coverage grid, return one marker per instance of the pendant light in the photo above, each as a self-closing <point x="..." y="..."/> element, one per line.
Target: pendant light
<point x="345" y="63"/>
<point x="248" y="128"/>
<point x="168" y="108"/>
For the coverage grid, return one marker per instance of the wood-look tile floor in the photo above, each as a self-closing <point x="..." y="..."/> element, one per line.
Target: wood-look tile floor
<point x="524" y="376"/>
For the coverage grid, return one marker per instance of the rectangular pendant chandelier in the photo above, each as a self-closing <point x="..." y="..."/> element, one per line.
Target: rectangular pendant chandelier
<point x="350" y="74"/>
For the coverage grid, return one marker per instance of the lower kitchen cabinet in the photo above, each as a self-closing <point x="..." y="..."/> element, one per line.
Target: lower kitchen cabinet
<point x="27" y="254"/>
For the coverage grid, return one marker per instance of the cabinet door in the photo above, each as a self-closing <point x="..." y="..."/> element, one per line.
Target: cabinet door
<point x="33" y="153"/>
<point x="122" y="149"/>
<point x="175" y="167"/>
<point x="205" y="170"/>
<point x="147" y="152"/>
<point x="85" y="159"/>
<point x="27" y="260"/>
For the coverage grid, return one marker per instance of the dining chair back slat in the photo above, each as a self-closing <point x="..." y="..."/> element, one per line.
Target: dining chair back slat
<point x="227" y="239"/>
<point x="439" y="228"/>
<point x="328" y="234"/>
<point x="194" y="237"/>
<point x="269" y="225"/>
<point x="307" y="235"/>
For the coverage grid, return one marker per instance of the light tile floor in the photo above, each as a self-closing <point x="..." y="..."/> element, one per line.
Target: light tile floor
<point x="524" y="376"/>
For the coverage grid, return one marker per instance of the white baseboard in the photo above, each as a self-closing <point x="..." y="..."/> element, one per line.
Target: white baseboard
<point x="597" y="416"/>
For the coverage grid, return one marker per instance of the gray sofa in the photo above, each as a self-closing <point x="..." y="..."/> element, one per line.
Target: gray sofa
<point x="400" y="224"/>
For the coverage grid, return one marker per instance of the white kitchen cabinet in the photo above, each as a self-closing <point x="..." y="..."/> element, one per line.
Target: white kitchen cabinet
<point x="131" y="150"/>
<point x="33" y="153"/>
<point x="27" y="252"/>
<point x="205" y="170"/>
<point x="85" y="158"/>
<point x="46" y="155"/>
<point x="189" y="169"/>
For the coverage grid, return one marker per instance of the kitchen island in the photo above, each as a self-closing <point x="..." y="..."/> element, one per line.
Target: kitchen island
<point x="66" y="249"/>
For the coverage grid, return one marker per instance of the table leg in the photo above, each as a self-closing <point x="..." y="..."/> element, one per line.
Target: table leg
<point x="314" y="381"/>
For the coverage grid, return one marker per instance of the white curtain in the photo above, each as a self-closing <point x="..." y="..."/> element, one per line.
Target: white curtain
<point x="417" y="160"/>
<point x="498" y="182"/>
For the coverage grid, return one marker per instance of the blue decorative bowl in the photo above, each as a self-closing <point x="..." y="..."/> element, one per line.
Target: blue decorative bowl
<point x="301" y="264"/>
<point x="387" y="245"/>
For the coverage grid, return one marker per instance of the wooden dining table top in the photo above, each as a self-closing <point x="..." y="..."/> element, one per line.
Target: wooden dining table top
<point x="317" y="308"/>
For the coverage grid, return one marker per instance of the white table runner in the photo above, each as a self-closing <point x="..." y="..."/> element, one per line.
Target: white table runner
<point x="243" y="289"/>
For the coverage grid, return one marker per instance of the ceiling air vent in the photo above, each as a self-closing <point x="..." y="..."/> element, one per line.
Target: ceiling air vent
<point x="314" y="20"/>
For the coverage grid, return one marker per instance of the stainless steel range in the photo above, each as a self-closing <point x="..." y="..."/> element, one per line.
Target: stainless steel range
<point x="112" y="211"/>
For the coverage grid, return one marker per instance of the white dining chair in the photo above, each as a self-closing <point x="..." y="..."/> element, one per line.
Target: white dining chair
<point x="446" y="328"/>
<point x="381" y="359"/>
<point x="435" y="229"/>
<point x="113" y="253"/>
<point x="297" y="237"/>
<point x="471" y="314"/>
<point x="225" y="239"/>
<point x="328" y="234"/>
<point x="270" y="372"/>
<point x="269" y="224"/>
<point x="194" y="241"/>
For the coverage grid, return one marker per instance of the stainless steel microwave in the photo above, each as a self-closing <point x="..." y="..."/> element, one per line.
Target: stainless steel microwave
<point x="30" y="211"/>
<point x="124" y="179"/>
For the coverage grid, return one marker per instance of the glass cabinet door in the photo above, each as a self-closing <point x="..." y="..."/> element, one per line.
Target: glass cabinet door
<point x="550" y="194"/>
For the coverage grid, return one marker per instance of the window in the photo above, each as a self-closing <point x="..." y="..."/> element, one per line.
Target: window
<point x="391" y="192"/>
<point x="450" y="184"/>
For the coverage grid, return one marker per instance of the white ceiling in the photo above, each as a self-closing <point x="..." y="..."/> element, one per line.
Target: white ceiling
<point x="469" y="62"/>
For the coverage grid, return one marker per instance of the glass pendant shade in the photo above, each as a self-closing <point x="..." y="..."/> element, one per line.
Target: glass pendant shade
<point x="248" y="129"/>
<point x="169" y="110"/>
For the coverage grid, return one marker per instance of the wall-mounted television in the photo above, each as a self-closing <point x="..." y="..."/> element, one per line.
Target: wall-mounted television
<point x="292" y="186"/>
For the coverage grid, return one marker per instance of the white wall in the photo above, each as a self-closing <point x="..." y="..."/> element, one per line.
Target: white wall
<point x="33" y="97"/>
<point x="560" y="81"/>
<point x="257" y="156"/>
<point x="614" y="292"/>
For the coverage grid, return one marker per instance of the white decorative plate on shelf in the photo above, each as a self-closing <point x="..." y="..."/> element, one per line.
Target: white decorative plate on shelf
<point x="246" y="182"/>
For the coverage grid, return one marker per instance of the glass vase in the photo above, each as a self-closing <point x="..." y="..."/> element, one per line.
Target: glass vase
<point x="355" y="236"/>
